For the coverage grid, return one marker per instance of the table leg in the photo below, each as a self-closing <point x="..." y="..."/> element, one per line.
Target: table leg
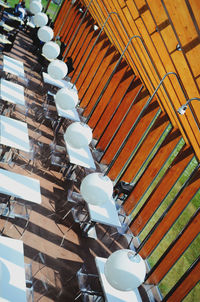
<point x="89" y="230"/>
<point x="67" y="173"/>
<point x="58" y="125"/>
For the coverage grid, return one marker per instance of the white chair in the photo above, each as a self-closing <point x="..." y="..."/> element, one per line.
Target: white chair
<point x="80" y="215"/>
<point x="41" y="280"/>
<point x="89" y="286"/>
<point x="42" y="288"/>
<point x="18" y="212"/>
<point x="33" y="267"/>
<point x="90" y="297"/>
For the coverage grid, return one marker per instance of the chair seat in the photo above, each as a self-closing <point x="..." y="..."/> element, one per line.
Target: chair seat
<point x="34" y="267"/>
<point x="88" y="297"/>
<point x="89" y="286"/>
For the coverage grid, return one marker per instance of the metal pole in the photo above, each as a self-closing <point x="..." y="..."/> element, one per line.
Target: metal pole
<point x="185" y="105"/>
<point x="92" y="49"/>
<point x="167" y="209"/>
<point x="192" y="99"/>
<point x="75" y="34"/>
<point x="129" y="134"/>
<point x="138" y="119"/>
<point x="65" y="19"/>
<point x="108" y="81"/>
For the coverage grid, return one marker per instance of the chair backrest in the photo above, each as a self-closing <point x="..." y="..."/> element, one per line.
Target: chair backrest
<point x="86" y="297"/>
<point x="8" y="47"/>
<point x="38" y="263"/>
<point x="88" y="283"/>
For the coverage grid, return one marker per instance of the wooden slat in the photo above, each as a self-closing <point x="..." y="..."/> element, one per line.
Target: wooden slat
<point x="114" y="102"/>
<point x="133" y="139"/>
<point x="146" y="148"/>
<point x="189" y="124"/>
<point x="101" y="78"/>
<point x="82" y="57"/>
<point x="140" y="4"/>
<point x="71" y="15"/>
<point x="192" y="54"/>
<point x="80" y="42"/>
<point x="110" y="90"/>
<point x="149" y="19"/>
<point x="77" y="35"/>
<point x="73" y="22"/>
<point x="122" y="3"/>
<point x="132" y="8"/>
<point x="159" y="193"/>
<point x="162" y="155"/>
<point x="124" y="106"/>
<point x="92" y="68"/>
<point x="189" y="282"/>
<point x="81" y="54"/>
<point x="182" y="20"/>
<point x="176" y="251"/>
<point x="195" y="7"/>
<point x="124" y="128"/>
<point x="154" y="77"/>
<point x="60" y="17"/>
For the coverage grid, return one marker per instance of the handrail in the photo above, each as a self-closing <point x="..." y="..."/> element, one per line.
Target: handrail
<point x="75" y="34"/>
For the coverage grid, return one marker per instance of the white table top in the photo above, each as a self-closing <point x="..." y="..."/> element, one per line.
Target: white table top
<point x="12" y="17"/>
<point x="12" y="275"/>
<point x="112" y="294"/>
<point x="6" y="27"/>
<point x="71" y="114"/>
<point x="58" y="83"/>
<point x="20" y="186"/>
<point x="12" y="92"/>
<point x="80" y="156"/>
<point x="14" y="133"/>
<point x="4" y="40"/>
<point x="30" y="22"/>
<point x="105" y="213"/>
<point x="13" y="66"/>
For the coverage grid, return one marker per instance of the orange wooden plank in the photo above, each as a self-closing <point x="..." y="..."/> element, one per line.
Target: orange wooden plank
<point x="77" y="35"/>
<point x="133" y="139"/>
<point x="100" y="79"/>
<point x="161" y="190"/>
<point x="162" y="155"/>
<point x="182" y="20"/>
<point x="124" y="129"/>
<point x="121" y="111"/>
<point x="187" y="285"/>
<point x="81" y="59"/>
<point x="176" y="251"/>
<point x="107" y="95"/>
<point x="92" y="67"/>
<point x="132" y="8"/>
<point x="146" y="147"/>
<point x="112" y="106"/>
<point x="193" y="58"/>
<point x="173" y="213"/>
<point x="72" y="23"/>
<point x="82" y="40"/>
<point x="60" y="17"/>
<point x="195" y="7"/>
